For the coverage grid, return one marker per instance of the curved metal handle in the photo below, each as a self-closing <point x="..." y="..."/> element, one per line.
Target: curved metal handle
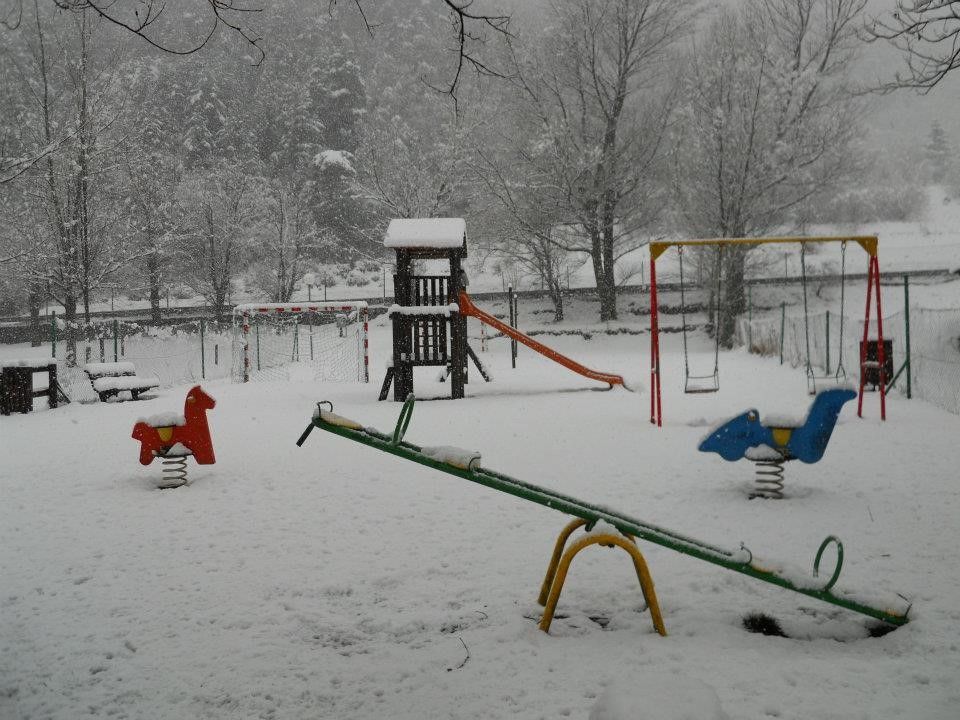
<point x="836" y="571"/>
<point x="404" y="420"/>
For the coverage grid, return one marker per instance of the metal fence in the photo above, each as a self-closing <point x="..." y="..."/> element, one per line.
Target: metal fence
<point x="173" y="354"/>
<point x="933" y="352"/>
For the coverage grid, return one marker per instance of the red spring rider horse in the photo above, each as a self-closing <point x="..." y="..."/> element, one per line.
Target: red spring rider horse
<point x="167" y="435"/>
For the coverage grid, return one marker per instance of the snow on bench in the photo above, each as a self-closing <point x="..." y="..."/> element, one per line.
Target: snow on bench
<point x="125" y="382"/>
<point x="111" y="378"/>
<point x="109" y="369"/>
<point x="32" y="363"/>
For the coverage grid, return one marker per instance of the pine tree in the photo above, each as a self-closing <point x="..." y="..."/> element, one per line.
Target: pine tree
<point x="937" y="154"/>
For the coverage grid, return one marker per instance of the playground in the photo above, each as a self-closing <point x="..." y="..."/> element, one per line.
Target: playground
<point x="336" y="581"/>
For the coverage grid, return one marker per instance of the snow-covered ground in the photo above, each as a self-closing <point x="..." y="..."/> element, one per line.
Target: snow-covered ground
<point x="333" y="581"/>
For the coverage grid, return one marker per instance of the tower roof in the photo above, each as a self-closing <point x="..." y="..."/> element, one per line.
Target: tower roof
<point x="426" y="233"/>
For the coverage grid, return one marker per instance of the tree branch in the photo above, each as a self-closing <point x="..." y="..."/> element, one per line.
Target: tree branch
<point x="928" y="33"/>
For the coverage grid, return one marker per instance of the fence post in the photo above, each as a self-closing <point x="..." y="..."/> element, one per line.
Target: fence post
<point x="295" y="356"/>
<point x="783" y="326"/>
<point x="827" y="346"/>
<point x="116" y="341"/>
<point x="511" y="301"/>
<point x="203" y="355"/>
<point x="258" y="346"/>
<point x="906" y="311"/>
<point x="103" y="354"/>
<point x="749" y="318"/>
<point x="216" y="354"/>
<point x="53" y="335"/>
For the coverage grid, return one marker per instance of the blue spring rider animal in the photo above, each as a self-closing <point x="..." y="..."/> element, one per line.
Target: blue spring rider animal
<point x="770" y="445"/>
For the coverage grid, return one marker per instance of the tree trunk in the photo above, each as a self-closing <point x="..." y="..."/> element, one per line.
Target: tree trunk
<point x="555" y="290"/>
<point x="608" y="293"/>
<point x="154" y="277"/>
<point x="35" y="300"/>
<point x="734" y="299"/>
<point x="603" y="275"/>
<point x="82" y="210"/>
<point x="220" y="300"/>
<point x="70" y="329"/>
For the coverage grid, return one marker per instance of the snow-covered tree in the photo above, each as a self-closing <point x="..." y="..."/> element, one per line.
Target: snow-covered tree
<point x="221" y="209"/>
<point x="197" y="24"/>
<point x="416" y="166"/>
<point x="69" y="99"/>
<point x="765" y="124"/>
<point x="598" y="102"/>
<point x="938" y="155"/>
<point x="287" y="241"/>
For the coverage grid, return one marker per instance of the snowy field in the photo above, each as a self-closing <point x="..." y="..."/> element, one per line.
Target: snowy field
<point x="333" y="581"/>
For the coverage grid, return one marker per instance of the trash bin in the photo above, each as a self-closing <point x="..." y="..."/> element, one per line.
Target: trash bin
<point x="871" y="363"/>
<point x="16" y="390"/>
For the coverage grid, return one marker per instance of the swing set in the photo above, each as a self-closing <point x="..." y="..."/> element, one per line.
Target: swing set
<point x="710" y="383"/>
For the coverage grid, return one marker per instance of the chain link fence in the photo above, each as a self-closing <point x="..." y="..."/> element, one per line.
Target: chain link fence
<point x="934" y="352"/>
<point x="174" y="354"/>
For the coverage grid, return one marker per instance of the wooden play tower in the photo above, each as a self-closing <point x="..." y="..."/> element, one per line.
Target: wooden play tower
<point x="428" y="328"/>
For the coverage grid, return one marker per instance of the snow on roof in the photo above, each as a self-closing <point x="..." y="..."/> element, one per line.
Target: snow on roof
<point x="425" y="233"/>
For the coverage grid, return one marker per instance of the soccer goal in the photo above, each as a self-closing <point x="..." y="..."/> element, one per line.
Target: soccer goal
<point x="301" y="341"/>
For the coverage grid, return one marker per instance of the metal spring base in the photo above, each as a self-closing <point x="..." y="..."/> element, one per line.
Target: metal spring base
<point x="174" y="471"/>
<point x="769" y="479"/>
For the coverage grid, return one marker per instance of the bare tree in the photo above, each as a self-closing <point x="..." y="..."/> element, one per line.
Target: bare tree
<point x="290" y="240"/>
<point x="928" y="34"/>
<point x="600" y="104"/>
<point x="765" y="126"/>
<point x="187" y="30"/>
<point x="69" y="99"/>
<point x="221" y="209"/>
<point x="151" y="179"/>
<point x="416" y="166"/>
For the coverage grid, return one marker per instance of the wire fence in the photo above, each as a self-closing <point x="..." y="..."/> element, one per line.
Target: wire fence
<point x="175" y="355"/>
<point x="934" y="352"/>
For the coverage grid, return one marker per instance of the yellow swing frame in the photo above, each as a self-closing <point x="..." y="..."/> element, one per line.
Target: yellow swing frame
<point x="868" y="242"/>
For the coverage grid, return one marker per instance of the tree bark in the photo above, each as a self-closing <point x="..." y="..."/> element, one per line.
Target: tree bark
<point x="154" y="277"/>
<point x="35" y="301"/>
<point x="70" y="329"/>
<point x="734" y="299"/>
<point x="555" y="289"/>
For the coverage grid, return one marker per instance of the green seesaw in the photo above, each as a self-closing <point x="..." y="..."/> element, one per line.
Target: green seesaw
<point x="466" y="465"/>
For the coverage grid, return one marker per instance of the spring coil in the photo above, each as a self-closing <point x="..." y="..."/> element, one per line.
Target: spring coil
<point x="769" y="479"/>
<point x="174" y="471"/>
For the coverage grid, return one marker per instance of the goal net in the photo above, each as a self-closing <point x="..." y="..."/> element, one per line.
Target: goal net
<point x="300" y="342"/>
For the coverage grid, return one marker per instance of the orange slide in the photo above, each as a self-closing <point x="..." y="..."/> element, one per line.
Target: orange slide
<point x="468" y="308"/>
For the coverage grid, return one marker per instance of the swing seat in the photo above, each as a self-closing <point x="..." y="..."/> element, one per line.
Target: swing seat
<point x="698" y="384"/>
<point x="815" y="383"/>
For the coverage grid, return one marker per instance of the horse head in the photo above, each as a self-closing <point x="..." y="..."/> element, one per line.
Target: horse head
<point x="197" y="401"/>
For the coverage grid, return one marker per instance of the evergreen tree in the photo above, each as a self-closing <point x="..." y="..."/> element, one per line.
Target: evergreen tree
<point x="937" y="155"/>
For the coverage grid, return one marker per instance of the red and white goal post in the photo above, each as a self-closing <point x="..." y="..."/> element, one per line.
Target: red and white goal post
<point x="302" y="341"/>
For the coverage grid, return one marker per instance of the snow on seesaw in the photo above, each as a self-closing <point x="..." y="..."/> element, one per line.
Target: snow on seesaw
<point x="336" y="581"/>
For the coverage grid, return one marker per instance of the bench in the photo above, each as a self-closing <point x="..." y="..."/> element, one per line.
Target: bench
<point x="112" y="378"/>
